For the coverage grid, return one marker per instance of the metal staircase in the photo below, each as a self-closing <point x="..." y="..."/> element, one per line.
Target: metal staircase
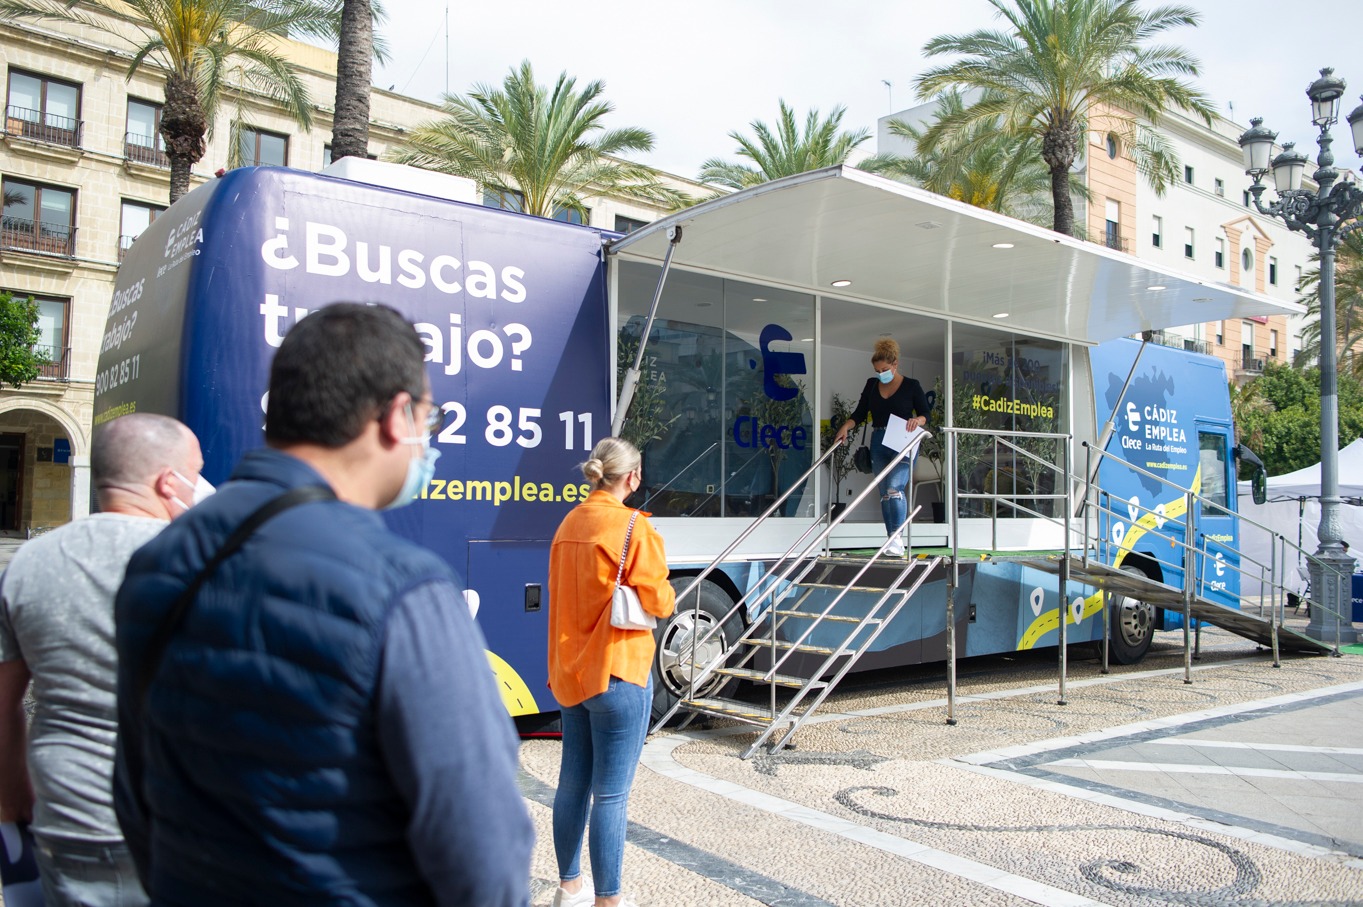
<point x="802" y="626"/>
<point x="800" y="646"/>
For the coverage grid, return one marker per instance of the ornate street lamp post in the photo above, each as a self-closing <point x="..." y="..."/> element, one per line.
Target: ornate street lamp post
<point x="1324" y="216"/>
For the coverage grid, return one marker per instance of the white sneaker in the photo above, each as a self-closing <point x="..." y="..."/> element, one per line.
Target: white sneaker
<point x="895" y="548"/>
<point x="585" y="897"/>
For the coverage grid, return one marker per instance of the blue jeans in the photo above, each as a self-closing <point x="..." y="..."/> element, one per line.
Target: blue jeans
<point x="79" y="874"/>
<point x="602" y="740"/>
<point x="894" y="506"/>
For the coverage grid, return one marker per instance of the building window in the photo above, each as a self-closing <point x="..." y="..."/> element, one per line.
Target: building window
<point x="137" y="216"/>
<point x="1273" y="344"/>
<point x="1220" y="254"/>
<point x="1187" y="242"/>
<point x="1247" y="261"/>
<point x="1157" y="232"/>
<point x="1220" y="332"/>
<point x="38" y="218"/>
<point x="43" y="108"/>
<point x="1297" y="285"/>
<point x="1219" y="187"/>
<point x="1244" y="198"/>
<point x="262" y="149"/>
<point x="1112" y="231"/>
<point x="1188" y="174"/>
<point x="53" y="330"/>
<point x="142" y="142"/>
<point x="326" y="156"/>
<point x="1113" y="147"/>
<point x="511" y="200"/>
<point x="1273" y="270"/>
<point x="628" y="224"/>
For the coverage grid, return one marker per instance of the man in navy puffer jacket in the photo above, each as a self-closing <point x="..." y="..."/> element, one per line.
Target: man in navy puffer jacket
<point x="322" y="726"/>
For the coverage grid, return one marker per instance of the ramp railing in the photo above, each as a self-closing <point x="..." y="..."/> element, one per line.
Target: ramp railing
<point x="1197" y="552"/>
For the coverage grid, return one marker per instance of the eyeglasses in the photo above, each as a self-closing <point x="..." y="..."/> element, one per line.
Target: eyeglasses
<point x="436" y="417"/>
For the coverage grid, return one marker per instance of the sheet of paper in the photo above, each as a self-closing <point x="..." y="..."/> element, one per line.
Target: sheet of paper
<point x="898" y="435"/>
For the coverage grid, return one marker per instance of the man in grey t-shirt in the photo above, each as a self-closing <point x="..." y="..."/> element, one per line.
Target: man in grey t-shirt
<point x="57" y="628"/>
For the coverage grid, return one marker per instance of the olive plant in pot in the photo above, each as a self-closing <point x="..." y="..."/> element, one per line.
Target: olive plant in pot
<point x="931" y="467"/>
<point x="840" y="464"/>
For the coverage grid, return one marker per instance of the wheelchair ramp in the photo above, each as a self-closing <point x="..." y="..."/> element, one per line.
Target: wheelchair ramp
<point x="1240" y="622"/>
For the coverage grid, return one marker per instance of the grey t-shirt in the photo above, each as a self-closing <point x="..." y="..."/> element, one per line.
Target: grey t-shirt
<point x="57" y="614"/>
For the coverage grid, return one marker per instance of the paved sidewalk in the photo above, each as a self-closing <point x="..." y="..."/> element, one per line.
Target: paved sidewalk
<point x="1118" y="797"/>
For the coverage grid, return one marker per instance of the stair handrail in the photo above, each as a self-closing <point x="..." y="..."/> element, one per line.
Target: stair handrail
<point x="770" y="582"/>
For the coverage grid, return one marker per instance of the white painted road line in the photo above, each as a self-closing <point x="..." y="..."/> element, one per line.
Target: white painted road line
<point x="1174" y="768"/>
<point x="1265" y="747"/>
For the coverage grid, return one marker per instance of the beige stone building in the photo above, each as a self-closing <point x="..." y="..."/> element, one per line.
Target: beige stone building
<point x="83" y="174"/>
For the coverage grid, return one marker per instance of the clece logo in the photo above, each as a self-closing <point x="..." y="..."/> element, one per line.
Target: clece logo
<point x="1133" y="417"/>
<point x="749" y="431"/>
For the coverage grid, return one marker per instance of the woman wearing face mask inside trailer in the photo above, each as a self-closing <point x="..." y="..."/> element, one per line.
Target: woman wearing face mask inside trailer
<point x="889" y="393"/>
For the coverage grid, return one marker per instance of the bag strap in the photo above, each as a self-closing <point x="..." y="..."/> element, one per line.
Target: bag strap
<point x="180" y="607"/>
<point x="864" y="426"/>
<point x="620" y="574"/>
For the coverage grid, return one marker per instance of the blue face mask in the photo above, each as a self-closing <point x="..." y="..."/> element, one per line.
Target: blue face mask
<point x="886" y="376"/>
<point x="419" y="472"/>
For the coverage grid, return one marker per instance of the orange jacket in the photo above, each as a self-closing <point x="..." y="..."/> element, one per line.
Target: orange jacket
<point x="585" y="651"/>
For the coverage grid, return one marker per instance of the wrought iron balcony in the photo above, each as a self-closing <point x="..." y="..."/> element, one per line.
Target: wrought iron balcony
<point x="1116" y="241"/>
<point x="144" y="149"/>
<point x="42" y="127"/>
<point x="58" y="366"/>
<point x="1251" y="365"/>
<point x="36" y="236"/>
<point x="1197" y="346"/>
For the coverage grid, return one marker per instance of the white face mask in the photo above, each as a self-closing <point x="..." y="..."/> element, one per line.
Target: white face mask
<point x="202" y="489"/>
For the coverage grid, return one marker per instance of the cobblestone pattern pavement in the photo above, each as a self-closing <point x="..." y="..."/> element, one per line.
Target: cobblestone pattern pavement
<point x="881" y="803"/>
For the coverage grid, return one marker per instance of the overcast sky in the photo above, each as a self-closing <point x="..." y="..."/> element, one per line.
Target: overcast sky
<point x="693" y="72"/>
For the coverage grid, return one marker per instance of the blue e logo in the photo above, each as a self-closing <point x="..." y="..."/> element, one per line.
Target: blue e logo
<point x="777" y="363"/>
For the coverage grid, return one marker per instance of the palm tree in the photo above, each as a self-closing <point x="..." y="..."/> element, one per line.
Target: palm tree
<point x="1348" y="307"/>
<point x="981" y="165"/>
<point x="1058" y="62"/>
<point x="355" y="55"/>
<point x="785" y="151"/>
<point x="206" y="49"/>
<point x="547" y="146"/>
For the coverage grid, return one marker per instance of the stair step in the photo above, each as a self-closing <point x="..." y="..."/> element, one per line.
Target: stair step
<point x="838" y="618"/>
<point x="839" y="587"/>
<point x="783" y="644"/>
<point x="732" y="708"/>
<point x="783" y="680"/>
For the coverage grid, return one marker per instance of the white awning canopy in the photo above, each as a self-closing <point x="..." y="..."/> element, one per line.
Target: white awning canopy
<point x="909" y="249"/>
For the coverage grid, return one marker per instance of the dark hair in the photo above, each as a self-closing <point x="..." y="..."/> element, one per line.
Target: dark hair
<point x="339" y="368"/>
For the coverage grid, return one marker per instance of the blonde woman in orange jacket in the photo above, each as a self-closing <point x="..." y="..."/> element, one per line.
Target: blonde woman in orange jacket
<point x="600" y="675"/>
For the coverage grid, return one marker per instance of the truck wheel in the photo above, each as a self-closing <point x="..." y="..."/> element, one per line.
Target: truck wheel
<point x="672" y="663"/>
<point x="1133" y="625"/>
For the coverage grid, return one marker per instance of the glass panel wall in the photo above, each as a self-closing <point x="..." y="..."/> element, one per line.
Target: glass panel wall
<point x="723" y="411"/>
<point x="1003" y="384"/>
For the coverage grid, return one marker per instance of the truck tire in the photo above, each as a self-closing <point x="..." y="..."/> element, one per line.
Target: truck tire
<point x="671" y="662"/>
<point x="1133" y="625"/>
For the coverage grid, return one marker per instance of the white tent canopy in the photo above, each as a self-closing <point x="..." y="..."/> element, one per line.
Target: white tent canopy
<point x="1305" y="482"/>
<point x="1293" y="510"/>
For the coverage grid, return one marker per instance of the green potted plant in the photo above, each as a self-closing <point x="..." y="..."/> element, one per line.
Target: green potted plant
<point x="840" y="464"/>
<point x="931" y="464"/>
